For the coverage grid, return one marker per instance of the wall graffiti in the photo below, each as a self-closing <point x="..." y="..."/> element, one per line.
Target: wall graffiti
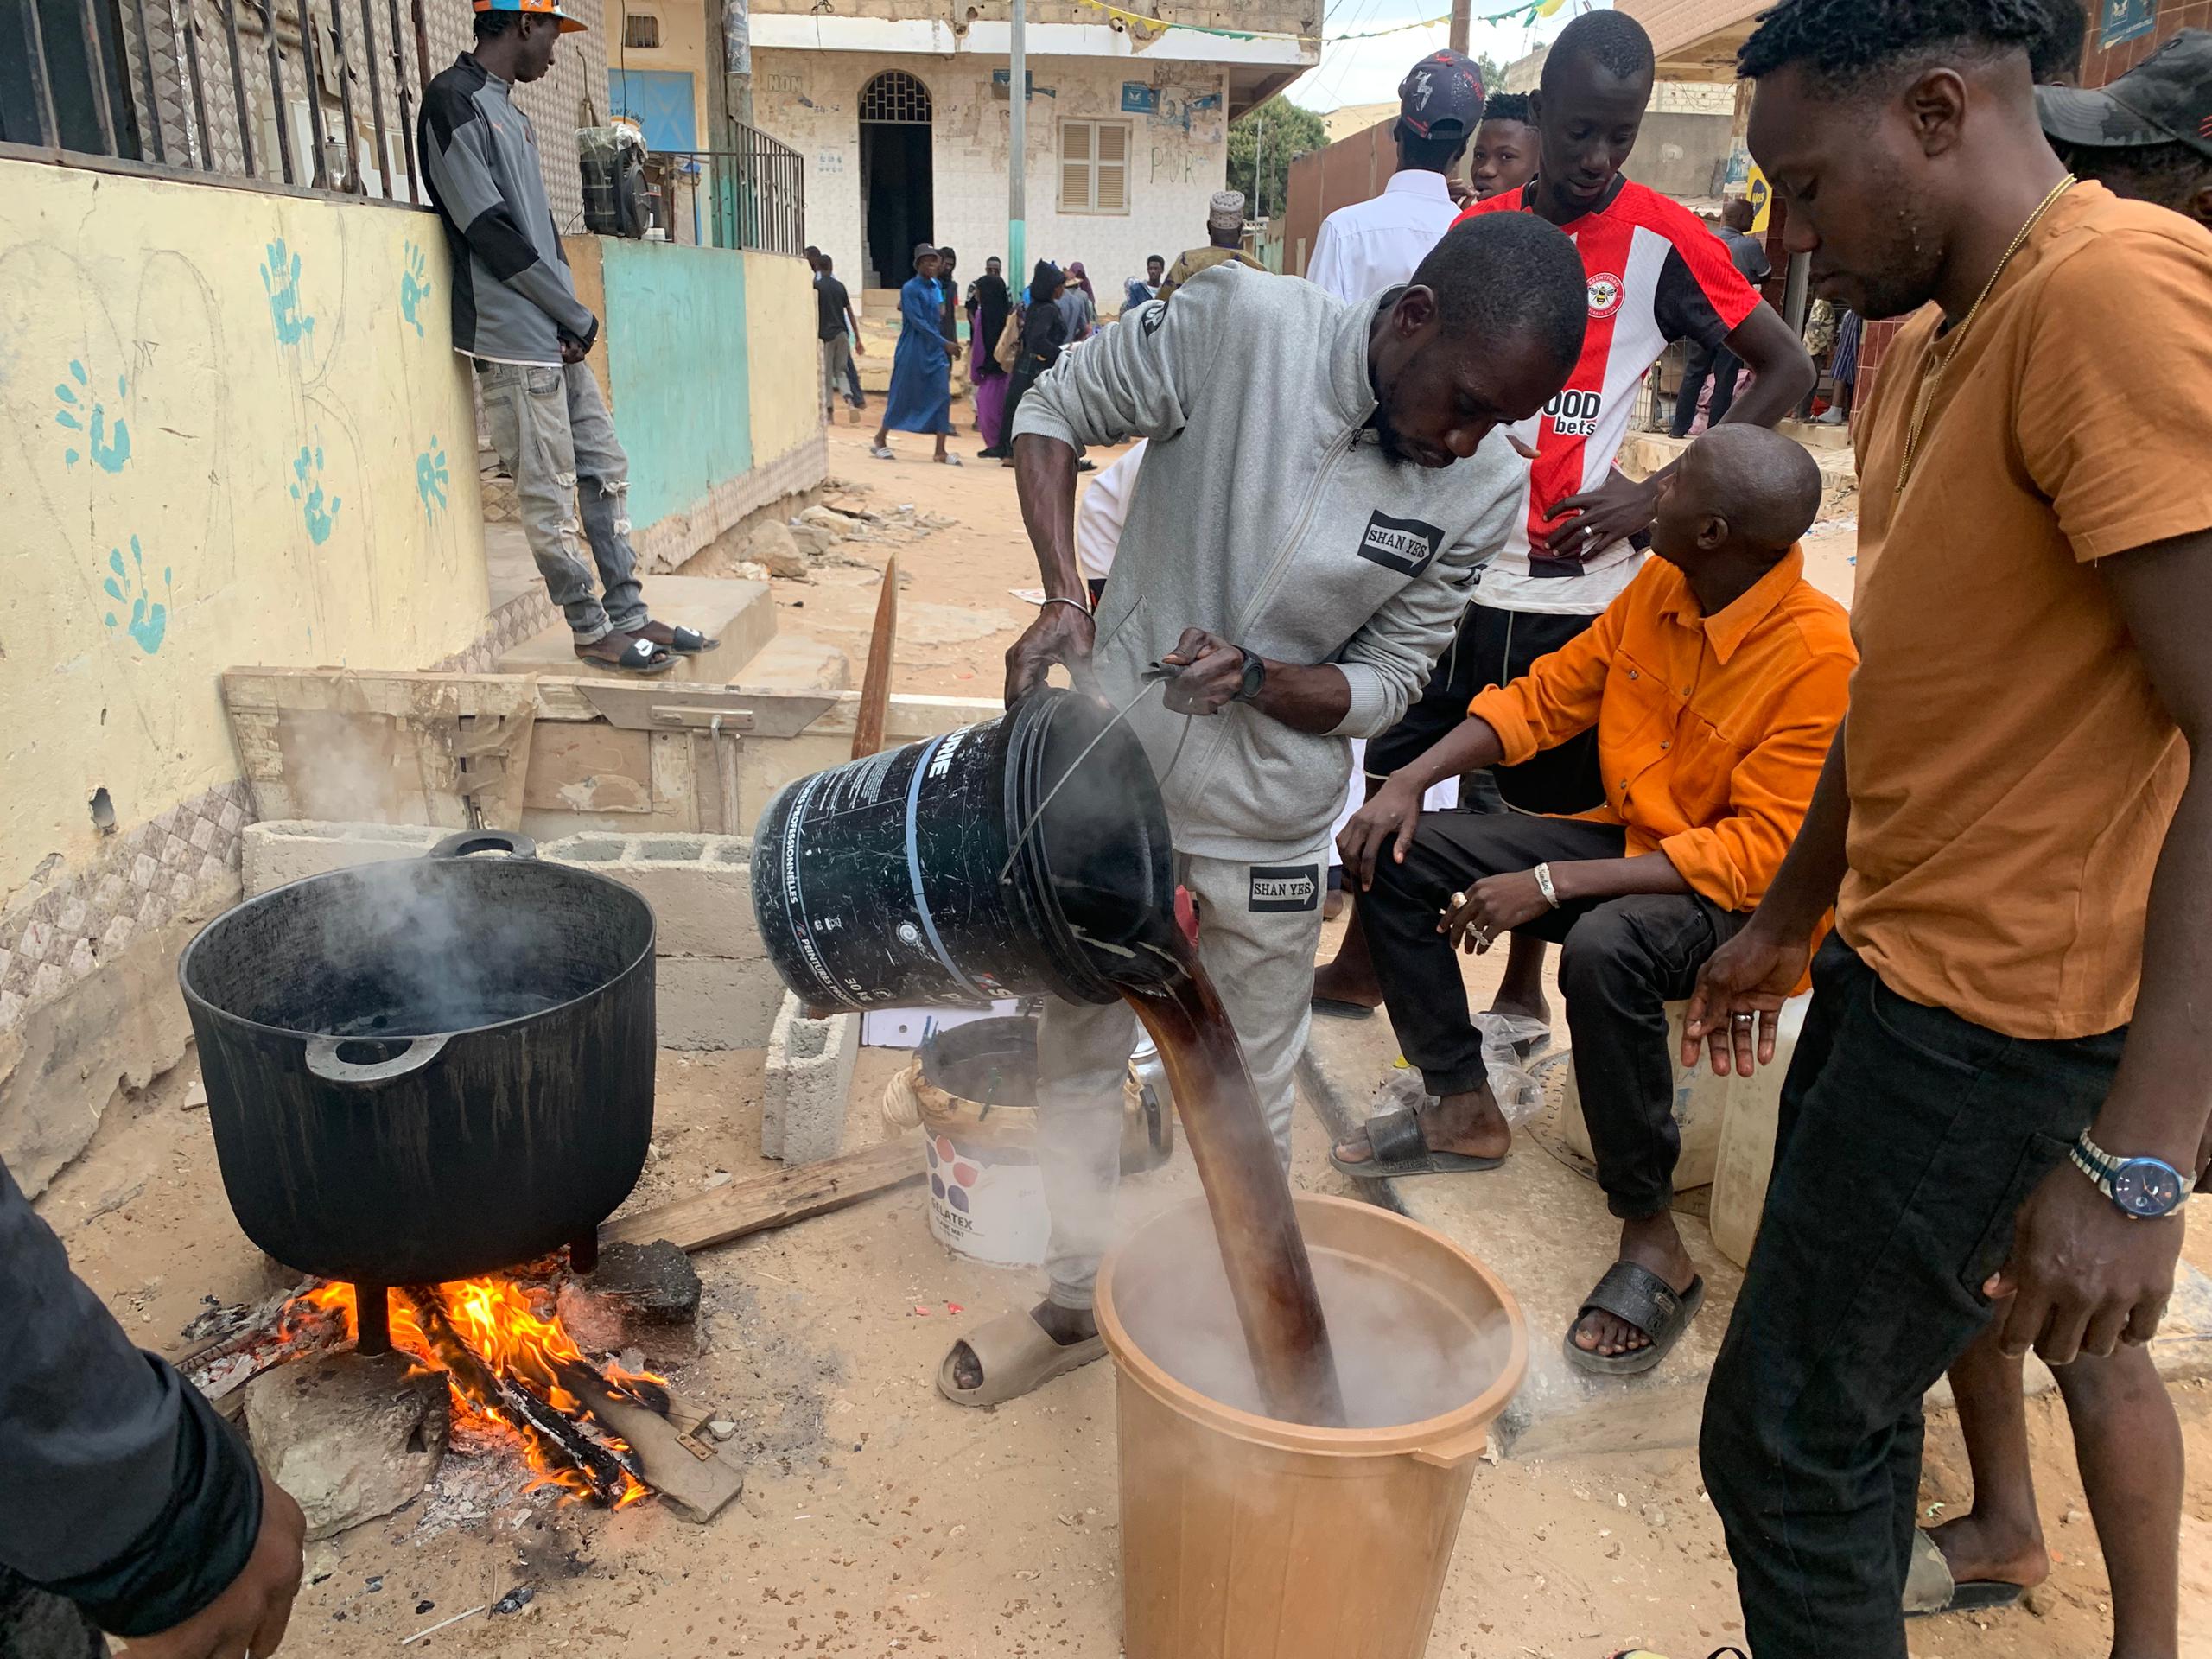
<point x="432" y="480"/>
<point x="106" y="440"/>
<point x="320" y="514"/>
<point x="414" y="288"/>
<point x="148" y="618"/>
<point x="282" y="286"/>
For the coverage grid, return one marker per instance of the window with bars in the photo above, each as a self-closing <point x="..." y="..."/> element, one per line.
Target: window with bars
<point x="1095" y="167"/>
<point x="895" y="96"/>
<point x="640" y="29"/>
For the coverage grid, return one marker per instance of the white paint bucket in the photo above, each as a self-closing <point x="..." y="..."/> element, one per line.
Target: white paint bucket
<point x="987" y="1202"/>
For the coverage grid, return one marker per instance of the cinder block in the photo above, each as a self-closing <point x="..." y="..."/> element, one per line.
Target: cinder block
<point x="286" y="850"/>
<point x="700" y="886"/>
<point x="714" y="1002"/>
<point x="810" y="1079"/>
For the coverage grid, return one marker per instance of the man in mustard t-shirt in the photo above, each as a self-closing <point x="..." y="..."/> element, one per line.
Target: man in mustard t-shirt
<point x="1994" y="1113"/>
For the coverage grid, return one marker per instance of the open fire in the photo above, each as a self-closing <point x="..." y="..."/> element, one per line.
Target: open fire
<point x="515" y="1374"/>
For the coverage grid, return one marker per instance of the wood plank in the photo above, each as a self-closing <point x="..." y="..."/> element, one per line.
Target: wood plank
<point x="697" y="1479"/>
<point x="767" y="1201"/>
<point x="875" y="683"/>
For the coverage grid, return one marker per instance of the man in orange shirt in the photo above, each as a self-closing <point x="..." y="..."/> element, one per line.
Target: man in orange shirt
<point x="1994" y="1114"/>
<point x="1714" y="682"/>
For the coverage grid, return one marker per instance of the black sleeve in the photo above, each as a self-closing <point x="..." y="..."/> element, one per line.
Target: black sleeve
<point x="1683" y="308"/>
<point x="125" y="1491"/>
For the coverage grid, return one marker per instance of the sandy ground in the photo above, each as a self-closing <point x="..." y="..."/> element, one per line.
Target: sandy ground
<point x="880" y="1521"/>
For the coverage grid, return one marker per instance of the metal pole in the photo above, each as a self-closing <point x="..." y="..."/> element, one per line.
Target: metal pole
<point x="237" y="88"/>
<point x="376" y="95"/>
<point x="1017" y="198"/>
<point x="190" y="29"/>
<point x="150" y="127"/>
<point x="352" y="181"/>
<point x="42" y="78"/>
<point x="312" y="60"/>
<point x="96" y="61"/>
<point x="1462" y="20"/>
<point x="406" y="104"/>
<point x="276" y="89"/>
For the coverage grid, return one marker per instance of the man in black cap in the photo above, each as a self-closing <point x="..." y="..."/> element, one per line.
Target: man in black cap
<point x="1375" y="245"/>
<point x="2149" y="134"/>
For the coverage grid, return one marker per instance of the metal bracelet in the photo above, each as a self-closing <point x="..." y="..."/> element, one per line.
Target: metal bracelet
<point x="1058" y="598"/>
<point x="1543" y="874"/>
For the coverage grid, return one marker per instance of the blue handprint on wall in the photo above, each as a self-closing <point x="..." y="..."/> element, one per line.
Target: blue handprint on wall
<point x="282" y="282"/>
<point x="149" y="621"/>
<point x="414" y="286"/>
<point x="307" y="490"/>
<point x="432" y="480"/>
<point x="107" y="444"/>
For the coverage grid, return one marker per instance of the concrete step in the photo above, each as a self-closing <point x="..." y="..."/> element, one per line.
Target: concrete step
<point x="791" y="663"/>
<point x="740" y="615"/>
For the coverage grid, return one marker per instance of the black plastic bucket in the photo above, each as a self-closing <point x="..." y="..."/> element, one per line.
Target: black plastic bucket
<point x="878" y="882"/>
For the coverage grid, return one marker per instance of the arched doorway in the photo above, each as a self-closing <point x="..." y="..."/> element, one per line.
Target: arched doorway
<point x="895" y="204"/>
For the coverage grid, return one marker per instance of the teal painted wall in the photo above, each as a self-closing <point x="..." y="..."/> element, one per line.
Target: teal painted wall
<point x="676" y="364"/>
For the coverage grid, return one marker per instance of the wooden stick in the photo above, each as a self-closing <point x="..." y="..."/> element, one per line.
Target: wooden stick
<point x="875" y="683"/>
<point x="598" y="1464"/>
<point x="767" y="1201"/>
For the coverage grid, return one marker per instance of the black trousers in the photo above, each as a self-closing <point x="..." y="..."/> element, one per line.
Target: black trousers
<point x="1909" y="1138"/>
<point x="1722" y="365"/>
<point x="1624" y="960"/>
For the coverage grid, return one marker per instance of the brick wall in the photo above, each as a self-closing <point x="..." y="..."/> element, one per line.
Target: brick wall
<point x="2173" y="16"/>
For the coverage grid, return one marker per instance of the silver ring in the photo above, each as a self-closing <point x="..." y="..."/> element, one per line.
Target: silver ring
<point x="1743" y="1019"/>
<point x="1482" y="935"/>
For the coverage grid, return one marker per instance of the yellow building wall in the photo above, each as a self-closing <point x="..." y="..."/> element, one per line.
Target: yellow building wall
<point x="782" y="359"/>
<point x="235" y="432"/>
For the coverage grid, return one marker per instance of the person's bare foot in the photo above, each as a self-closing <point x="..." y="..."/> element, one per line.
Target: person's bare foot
<point x="1650" y="1242"/>
<point x="1065" y="1325"/>
<point x="1522" y="1008"/>
<point x="1470" y="1124"/>
<point x="1334" y="981"/>
<point x="1981" y="1548"/>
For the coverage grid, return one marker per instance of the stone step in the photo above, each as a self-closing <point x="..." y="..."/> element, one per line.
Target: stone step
<point x="740" y="615"/>
<point x="791" y="663"/>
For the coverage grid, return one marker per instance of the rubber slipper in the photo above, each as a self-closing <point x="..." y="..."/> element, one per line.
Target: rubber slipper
<point x="1930" y="1589"/>
<point x="1399" y="1148"/>
<point x="881" y="452"/>
<point x="1337" y="1008"/>
<point x="1018" y="1356"/>
<point x="686" y="642"/>
<point x="948" y="461"/>
<point x="1638" y="1297"/>
<point x="638" y="656"/>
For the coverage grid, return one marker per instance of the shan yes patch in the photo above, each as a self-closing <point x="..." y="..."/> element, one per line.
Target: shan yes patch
<point x="1405" y="545"/>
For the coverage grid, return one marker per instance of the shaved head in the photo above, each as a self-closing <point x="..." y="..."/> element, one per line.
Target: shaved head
<point x="1767" y="487"/>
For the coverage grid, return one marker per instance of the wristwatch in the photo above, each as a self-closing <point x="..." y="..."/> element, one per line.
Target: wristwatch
<point x="2144" y="1188"/>
<point x="1256" y="678"/>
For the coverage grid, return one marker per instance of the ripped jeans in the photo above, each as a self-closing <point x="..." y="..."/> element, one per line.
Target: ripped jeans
<point x="557" y="441"/>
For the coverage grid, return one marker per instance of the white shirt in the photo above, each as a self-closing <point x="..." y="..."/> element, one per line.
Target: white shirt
<point x="1372" y="245"/>
<point x="1103" y="509"/>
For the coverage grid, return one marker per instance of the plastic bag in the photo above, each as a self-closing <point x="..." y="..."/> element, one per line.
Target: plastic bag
<point x="1520" y="1096"/>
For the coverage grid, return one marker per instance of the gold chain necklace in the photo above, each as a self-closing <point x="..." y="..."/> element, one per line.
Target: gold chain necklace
<point x="1935" y="377"/>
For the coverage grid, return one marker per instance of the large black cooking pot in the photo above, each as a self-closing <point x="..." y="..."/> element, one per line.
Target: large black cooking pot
<point x="428" y="1068"/>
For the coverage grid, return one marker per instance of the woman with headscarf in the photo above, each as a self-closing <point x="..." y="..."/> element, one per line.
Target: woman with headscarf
<point x="988" y="306"/>
<point x="1044" y="332"/>
<point x="1079" y="304"/>
<point x="920" y="400"/>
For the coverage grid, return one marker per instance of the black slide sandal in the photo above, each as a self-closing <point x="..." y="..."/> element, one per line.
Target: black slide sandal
<point x="1929" y="1588"/>
<point x="1634" y="1295"/>
<point x="1399" y="1148"/>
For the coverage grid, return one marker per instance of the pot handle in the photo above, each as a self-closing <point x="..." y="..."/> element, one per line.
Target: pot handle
<point x="1457" y="1452"/>
<point x="485" y="841"/>
<point x="322" y="1058"/>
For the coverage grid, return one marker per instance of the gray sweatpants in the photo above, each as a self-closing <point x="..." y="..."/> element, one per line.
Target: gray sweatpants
<point x="1258" y="926"/>
<point x="557" y="443"/>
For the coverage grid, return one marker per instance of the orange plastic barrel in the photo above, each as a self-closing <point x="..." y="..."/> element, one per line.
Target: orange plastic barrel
<point x="1243" y="1537"/>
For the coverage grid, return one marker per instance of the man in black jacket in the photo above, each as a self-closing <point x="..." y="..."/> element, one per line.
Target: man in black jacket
<point x="131" y="1507"/>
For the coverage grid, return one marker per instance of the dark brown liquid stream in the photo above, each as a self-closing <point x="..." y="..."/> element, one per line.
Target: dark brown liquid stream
<point x="1270" y="1277"/>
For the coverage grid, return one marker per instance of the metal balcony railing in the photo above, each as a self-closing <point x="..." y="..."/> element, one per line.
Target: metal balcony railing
<point x="753" y="195"/>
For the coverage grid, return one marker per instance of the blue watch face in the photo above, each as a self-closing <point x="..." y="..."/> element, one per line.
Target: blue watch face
<point x="2146" y="1187"/>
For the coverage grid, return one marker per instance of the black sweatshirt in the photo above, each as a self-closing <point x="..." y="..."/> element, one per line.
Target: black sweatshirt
<point x="125" y="1491"/>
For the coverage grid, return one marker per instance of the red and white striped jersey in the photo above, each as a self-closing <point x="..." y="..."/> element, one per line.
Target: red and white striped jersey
<point x="1655" y="274"/>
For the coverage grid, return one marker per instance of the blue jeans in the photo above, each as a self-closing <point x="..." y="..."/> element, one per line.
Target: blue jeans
<point x="557" y="443"/>
<point x="1907" y="1139"/>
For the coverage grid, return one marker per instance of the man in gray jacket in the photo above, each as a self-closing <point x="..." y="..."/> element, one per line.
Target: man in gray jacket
<point x="515" y="315"/>
<point x="1323" y="480"/>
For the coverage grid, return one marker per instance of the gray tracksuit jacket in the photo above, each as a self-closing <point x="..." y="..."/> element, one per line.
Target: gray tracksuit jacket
<point x="1266" y="512"/>
<point x="513" y="298"/>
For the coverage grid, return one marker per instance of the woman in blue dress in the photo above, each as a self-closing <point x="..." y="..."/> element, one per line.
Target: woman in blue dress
<point x="920" y="400"/>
